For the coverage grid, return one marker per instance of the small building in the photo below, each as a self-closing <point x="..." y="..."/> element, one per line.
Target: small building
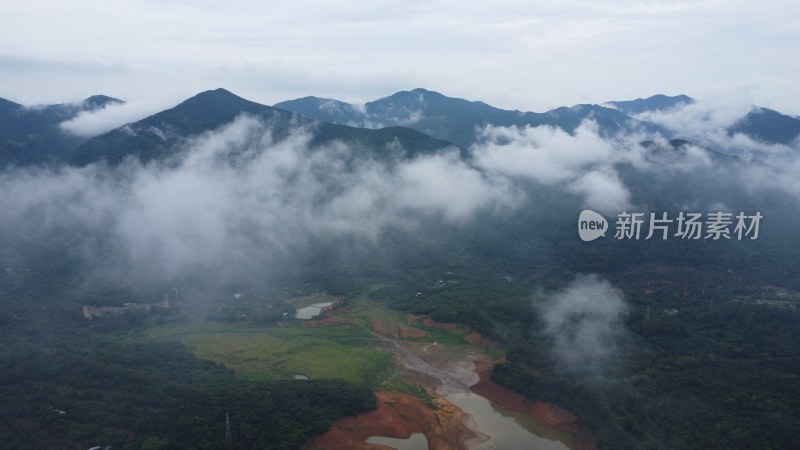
<point x="90" y="312"/>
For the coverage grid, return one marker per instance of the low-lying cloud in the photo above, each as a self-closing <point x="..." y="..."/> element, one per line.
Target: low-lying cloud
<point x="602" y="189"/>
<point x="585" y="323"/>
<point x="237" y="195"/>
<point x="545" y="154"/>
<point x="757" y="165"/>
<point x="592" y="166"/>
<point x="582" y="163"/>
<point x="708" y="123"/>
<point x="113" y="115"/>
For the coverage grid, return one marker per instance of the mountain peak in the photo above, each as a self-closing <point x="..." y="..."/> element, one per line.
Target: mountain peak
<point x="769" y="126"/>
<point x="221" y="91"/>
<point x="216" y="93"/>
<point x="8" y="105"/>
<point x="423" y="91"/>
<point x="100" y="101"/>
<point x="155" y="136"/>
<point x="221" y="101"/>
<point x="418" y="91"/>
<point x="658" y="102"/>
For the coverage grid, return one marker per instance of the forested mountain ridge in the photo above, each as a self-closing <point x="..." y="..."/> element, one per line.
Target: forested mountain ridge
<point x="457" y="120"/>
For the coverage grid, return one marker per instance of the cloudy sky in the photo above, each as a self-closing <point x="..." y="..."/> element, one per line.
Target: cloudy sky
<point x="528" y="55"/>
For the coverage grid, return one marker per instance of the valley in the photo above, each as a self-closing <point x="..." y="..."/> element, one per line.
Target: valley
<point x="329" y="225"/>
<point x="416" y="380"/>
<point x="225" y="272"/>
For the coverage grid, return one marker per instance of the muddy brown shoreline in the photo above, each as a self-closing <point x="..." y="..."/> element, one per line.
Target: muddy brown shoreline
<point x="546" y="413"/>
<point x="446" y="426"/>
<point x="400" y="415"/>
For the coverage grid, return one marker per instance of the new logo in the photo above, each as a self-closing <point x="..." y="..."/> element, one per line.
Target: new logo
<point x="591" y="225"/>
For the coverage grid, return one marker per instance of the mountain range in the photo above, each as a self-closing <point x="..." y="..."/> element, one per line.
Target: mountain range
<point x="454" y="119"/>
<point x="420" y="120"/>
<point x="458" y="120"/>
<point x="155" y="137"/>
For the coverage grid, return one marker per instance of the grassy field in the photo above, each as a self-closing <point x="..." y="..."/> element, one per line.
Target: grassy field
<point x="344" y="349"/>
<point x="367" y="312"/>
<point x="337" y="351"/>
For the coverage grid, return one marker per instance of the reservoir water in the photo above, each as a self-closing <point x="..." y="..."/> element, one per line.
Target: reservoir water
<point x="509" y="430"/>
<point x="417" y="441"/>
<point x="309" y="312"/>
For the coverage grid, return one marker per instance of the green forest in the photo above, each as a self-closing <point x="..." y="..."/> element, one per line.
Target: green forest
<point x="724" y="378"/>
<point x="67" y="382"/>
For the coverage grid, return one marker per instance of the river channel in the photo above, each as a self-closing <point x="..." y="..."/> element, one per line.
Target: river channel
<point x="501" y="428"/>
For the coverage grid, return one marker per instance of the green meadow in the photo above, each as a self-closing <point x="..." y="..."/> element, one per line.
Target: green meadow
<point x="266" y="353"/>
<point x="344" y="349"/>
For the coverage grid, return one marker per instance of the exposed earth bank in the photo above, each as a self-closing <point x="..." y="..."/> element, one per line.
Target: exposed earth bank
<point x="445" y="426"/>
<point x="398" y="416"/>
<point x="543" y="412"/>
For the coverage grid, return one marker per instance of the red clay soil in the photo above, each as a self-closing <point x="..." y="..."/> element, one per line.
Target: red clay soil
<point x="411" y="318"/>
<point x="473" y="338"/>
<point x="398" y="416"/>
<point x="430" y="323"/>
<point x="411" y="332"/>
<point x="543" y="412"/>
<point x="378" y="328"/>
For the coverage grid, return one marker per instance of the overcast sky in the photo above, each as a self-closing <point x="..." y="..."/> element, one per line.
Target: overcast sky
<point x="528" y="55"/>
